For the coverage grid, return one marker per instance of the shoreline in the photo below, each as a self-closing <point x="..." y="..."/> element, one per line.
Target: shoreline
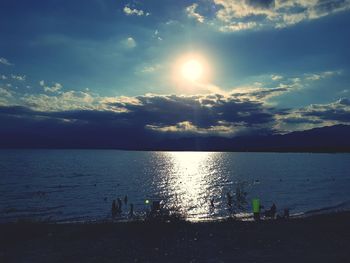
<point x="140" y="217"/>
<point x="316" y="238"/>
<point x="347" y="151"/>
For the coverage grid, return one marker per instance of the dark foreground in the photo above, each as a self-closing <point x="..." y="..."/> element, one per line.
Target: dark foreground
<point x="324" y="238"/>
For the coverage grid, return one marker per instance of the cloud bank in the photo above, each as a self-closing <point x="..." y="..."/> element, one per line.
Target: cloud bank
<point x="236" y="15"/>
<point x="76" y="116"/>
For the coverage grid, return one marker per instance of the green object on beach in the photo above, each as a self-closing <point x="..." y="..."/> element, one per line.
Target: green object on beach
<point x="146" y="201"/>
<point x="256" y="205"/>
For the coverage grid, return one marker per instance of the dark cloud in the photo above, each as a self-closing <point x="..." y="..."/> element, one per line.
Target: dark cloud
<point x="338" y="111"/>
<point x="301" y="120"/>
<point x="261" y="3"/>
<point x="26" y="128"/>
<point x="263" y="93"/>
<point x="128" y="122"/>
<point x="344" y="101"/>
<point x="331" y="114"/>
<point x="142" y="121"/>
<point x="202" y="111"/>
<point x="327" y="6"/>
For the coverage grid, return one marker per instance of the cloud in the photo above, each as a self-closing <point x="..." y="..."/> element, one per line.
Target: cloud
<point x="187" y="128"/>
<point x="264" y="4"/>
<point x="5" y="62"/>
<point x="336" y="111"/>
<point x="51" y="89"/>
<point x="238" y="26"/>
<point x="263" y="91"/>
<point x="151" y="68"/>
<point x="54" y="88"/>
<point x="63" y="101"/>
<point x="5" y="92"/>
<point x="321" y="75"/>
<point x="237" y="15"/>
<point x="276" y="77"/>
<point x="197" y="114"/>
<point x="191" y="12"/>
<point x="156" y="35"/>
<point x="315" y="115"/>
<point x="130" y="42"/>
<point x="76" y="116"/>
<point x="18" y="77"/>
<point x="130" y="11"/>
<point x="244" y="110"/>
<point x="262" y="94"/>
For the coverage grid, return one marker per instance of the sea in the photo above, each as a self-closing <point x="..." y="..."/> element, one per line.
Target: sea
<point x="80" y="185"/>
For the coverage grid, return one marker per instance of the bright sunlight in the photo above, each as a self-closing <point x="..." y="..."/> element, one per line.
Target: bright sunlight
<point x="192" y="70"/>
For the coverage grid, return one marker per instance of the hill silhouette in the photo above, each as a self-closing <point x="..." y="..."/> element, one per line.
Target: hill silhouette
<point x="325" y="139"/>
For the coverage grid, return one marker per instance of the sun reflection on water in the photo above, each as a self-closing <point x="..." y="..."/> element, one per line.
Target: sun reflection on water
<point x="189" y="181"/>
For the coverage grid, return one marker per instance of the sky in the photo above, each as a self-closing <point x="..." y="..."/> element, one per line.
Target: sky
<point x="122" y="67"/>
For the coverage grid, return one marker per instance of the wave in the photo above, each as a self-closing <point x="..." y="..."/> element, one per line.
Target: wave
<point x="76" y="175"/>
<point x="64" y="186"/>
<point x="9" y="210"/>
<point x="335" y="208"/>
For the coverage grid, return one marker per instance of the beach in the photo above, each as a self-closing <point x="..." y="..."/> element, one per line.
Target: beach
<point x="318" y="238"/>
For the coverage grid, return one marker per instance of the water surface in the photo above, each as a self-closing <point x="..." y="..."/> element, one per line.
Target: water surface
<point x="79" y="185"/>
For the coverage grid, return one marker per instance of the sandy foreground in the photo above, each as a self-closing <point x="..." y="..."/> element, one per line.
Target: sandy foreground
<point x="322" y="238"/>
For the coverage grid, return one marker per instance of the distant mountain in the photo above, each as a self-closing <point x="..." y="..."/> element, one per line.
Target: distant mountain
<point x="326" y="139"/>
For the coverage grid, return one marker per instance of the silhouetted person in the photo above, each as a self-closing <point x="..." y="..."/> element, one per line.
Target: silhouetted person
<point x="212" y="202"/>
<point x="155" y="207"/>
<point x="131" y="212"/>
<point x="125" y="199"/>
<point x="256" y="208"/>
<point x="119" y="205"/>
<point x="273" y="210"/>
<point x="286" y="213"/>
<point x="229" y="199"/>
<point x="114" y="209"/>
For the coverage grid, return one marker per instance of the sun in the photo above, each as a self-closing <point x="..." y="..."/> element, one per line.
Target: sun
<point x="192" y="70"/>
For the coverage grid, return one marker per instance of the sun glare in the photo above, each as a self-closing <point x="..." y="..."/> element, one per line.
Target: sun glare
<point x="192" y="70"/>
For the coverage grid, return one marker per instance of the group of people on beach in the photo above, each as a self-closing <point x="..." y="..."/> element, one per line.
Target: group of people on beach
<point x="240" y="196"/>
<point x="117" y="206"/>
<point x="269" y="213"/>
